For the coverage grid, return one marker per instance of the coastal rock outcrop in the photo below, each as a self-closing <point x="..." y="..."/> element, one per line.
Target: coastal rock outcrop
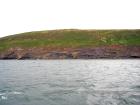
<point x="73" y="53"/>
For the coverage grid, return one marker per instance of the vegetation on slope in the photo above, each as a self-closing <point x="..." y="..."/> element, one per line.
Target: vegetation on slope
<point x="71" y="38"/>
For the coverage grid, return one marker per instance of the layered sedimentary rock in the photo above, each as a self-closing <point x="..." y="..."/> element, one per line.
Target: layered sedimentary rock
<point x="72" y="53"/>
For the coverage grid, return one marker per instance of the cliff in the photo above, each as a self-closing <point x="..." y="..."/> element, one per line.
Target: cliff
<point x="71" y="44"/>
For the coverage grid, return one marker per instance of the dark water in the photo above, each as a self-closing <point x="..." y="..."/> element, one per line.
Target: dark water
<point x="70" y="82"/>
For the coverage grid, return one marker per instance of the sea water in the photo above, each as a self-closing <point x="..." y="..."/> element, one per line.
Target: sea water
<point x="70" y="82"/>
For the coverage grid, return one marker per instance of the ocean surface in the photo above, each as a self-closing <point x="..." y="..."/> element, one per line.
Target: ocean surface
<point x="69" y="82"/>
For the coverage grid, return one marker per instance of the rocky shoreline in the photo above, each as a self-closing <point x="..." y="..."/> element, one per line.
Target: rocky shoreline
<point x="108" y="52"/>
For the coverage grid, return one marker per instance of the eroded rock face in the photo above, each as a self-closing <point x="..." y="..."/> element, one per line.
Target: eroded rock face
<point x="9" y="55"/>
<point x="71" y="53"/>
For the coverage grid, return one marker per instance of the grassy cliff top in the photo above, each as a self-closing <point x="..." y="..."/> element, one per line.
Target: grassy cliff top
<point x="71" y="38"/>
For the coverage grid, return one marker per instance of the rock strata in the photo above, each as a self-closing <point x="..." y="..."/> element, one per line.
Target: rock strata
<point x="111" y="52"/>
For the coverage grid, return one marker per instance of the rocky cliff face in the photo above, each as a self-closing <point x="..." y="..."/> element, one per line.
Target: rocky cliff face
<point x="72" y="53"/>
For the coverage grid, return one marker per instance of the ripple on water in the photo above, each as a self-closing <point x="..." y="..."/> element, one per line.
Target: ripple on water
<point x="65" y="82"/>
<point x="4" y="96"/>
<point x="138" y="86"/>
<point x="113" y="98"/>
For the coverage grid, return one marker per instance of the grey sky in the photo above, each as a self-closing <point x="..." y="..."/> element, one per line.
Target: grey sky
<point x="18" y="16"/>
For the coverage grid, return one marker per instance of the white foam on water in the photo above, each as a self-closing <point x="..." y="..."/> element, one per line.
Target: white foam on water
<point x="2" y="94"/>
<point x="3" y="97"/>
<point x="80" y="90"/>
<point x="17" y="93"/>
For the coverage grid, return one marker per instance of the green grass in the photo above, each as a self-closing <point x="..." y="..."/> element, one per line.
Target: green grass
<point x="71" y="38"/>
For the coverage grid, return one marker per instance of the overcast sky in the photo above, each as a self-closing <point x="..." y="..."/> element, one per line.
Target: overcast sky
<point x="18" y="16"/>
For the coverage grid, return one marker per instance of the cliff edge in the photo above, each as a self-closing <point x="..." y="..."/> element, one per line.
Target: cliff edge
<point x="71" y="44"/>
